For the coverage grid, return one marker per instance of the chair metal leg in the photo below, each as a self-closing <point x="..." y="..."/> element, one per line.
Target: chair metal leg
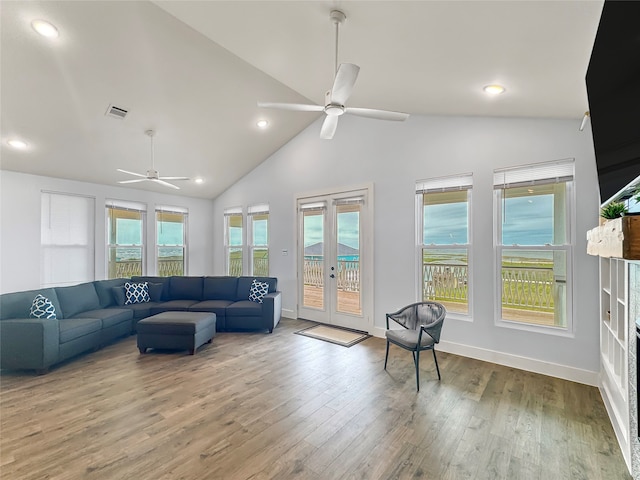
<point x="386" y="356"/>
<point x="416" y="357"/>
<point x="436" y="360"/>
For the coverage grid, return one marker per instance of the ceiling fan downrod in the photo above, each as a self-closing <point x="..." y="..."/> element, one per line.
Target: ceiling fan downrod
<point x="337" y="18"/>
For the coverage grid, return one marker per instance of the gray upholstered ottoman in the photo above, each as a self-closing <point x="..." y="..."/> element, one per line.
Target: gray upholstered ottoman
<point x="176" y="331"/>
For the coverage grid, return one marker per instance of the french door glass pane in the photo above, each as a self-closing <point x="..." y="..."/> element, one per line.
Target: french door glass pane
<point x="534" y="286"/>
<point x="347" y="268"/>
<point x="445" y="277"/>
<point x="313" y="235"/>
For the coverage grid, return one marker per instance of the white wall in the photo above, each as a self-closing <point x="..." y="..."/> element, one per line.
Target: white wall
<point x="393" y="156"/>
<point x="20" y="226"/>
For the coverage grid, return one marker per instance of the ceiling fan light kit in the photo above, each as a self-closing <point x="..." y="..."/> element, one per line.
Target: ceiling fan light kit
<point x="152" y="174"/>
<point x="345" y="77"/>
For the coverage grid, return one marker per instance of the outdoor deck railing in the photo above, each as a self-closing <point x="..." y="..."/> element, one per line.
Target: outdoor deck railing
<point x="526" y="288"/>
<point x="128" y="269"/>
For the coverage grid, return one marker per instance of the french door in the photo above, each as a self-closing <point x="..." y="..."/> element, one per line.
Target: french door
<point x="335" y="259"/>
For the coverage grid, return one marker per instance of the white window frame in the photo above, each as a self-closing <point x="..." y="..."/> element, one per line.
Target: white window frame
<point x="255" y="210"/>
<point x="449" y="183"/>
<point x="66" y="241"/>
<point x="130" y="206"/>
<point x="160" y="209"/>
<point x="228" y="213"/>
<point x="557" y="171"/>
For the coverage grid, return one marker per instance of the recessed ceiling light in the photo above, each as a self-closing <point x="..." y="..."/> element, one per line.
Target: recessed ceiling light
<point x="199" y="180"/>
<point x="45" y="28"/>
<point x="19" y="144"/>
<point x="494" y="89"/>
<point x="262" y="124"/>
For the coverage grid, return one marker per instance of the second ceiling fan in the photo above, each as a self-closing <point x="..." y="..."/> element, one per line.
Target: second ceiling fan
<point x="345" y="78"/>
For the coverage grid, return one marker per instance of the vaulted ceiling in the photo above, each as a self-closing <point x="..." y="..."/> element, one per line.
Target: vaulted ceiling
<point x="194" y="71"/>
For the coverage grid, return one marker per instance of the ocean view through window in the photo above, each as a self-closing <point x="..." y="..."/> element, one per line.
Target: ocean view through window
<point x="125" y="238"/>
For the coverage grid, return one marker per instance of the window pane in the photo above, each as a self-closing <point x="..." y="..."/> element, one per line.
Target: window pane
<point x="125" y="262"/>
<point x="534" y="215"/>
<point x="170" y="261"/>
<point x="445" y="218"/>
<point x="170" y="228"/>
<point x="235" y="262"/>
<point x="261" y="262"/>
<point x="445" y="274"/>
<point x="348" y="261"/>
<point x="534" y="286"/>
<point x="260" y="230"/>
<point x="234" y="225"/>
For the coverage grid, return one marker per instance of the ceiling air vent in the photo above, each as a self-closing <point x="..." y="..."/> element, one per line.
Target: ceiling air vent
<point x="116" y="112"/>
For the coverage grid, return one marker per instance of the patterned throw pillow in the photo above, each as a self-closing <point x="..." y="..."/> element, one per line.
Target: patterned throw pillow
<point x="258" y="291"/>
<point x="42" y="308"/>
<point x="136" y="293"/>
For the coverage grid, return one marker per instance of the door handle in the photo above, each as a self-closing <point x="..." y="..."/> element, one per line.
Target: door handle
<point x="332" y="276"/>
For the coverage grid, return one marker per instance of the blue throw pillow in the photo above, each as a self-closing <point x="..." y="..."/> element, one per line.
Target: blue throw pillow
<point x="42" y="308"/>
<point x="258" y="291"/>
<point x="136" y="293"/>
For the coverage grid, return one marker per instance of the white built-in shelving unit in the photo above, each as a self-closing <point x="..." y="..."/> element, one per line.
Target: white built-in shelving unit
<point x="614" y="344"/>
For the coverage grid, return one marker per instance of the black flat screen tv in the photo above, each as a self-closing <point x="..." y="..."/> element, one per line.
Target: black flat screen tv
<point x="613" y="88"/>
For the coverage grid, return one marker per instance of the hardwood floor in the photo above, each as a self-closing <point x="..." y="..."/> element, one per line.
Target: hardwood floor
<point x="280" y="406"/>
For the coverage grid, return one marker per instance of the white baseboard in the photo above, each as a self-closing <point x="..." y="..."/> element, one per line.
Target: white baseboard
<point x="288" y="313"/>
<point x="509" y="360"/>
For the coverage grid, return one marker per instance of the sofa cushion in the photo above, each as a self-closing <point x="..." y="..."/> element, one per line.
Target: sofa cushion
<point x="18" y="304"/>
<point x="119" y="296"/>
<point x="185" y="288"/>
<point x="155" y="291"/>
<point x="244" y="286"/>
<point x="104" y="289"/>
<point x="149" y="279"/>
<point x="172" y="305"/>
<point x="258" y="291"/>
<point x="109" y="316"/>
<point x="41" y="307"/>
<point x="220" y="288"/>
<point x="72" y="328"/>
<point x="244" y="308"/>
<point x="136" y="293"/>
<point x="77" y="298"/>
<point x="215" y="306"/>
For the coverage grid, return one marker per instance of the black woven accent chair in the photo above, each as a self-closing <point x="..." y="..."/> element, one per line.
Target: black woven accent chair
<point x="422" y="324"/>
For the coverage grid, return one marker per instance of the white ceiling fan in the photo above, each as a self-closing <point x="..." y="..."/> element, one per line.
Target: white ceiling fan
<point x="335" y="99"/>
<point x="152" y="174"/>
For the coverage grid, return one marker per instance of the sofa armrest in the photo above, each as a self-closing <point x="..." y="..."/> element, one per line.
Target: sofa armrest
<point x="27" y="343"/>
<point x="272" y="310"/>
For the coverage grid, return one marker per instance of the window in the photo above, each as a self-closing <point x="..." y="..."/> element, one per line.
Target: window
<point x="259" y="240"/>
<point x="442" y="206"/>
<point x="125" y="238"/>
<point x="533" y="243"/>
<point x="233" y="240"/>
<point x="67" y="239"/>
<point x="171" y="231"/>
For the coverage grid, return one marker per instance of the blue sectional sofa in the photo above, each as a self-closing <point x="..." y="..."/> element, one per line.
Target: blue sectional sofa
<point x="93" y="314"/>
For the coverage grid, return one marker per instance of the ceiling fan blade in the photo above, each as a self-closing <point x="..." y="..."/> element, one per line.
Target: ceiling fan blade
<point x="379" y="114"/>
<point x="166" y="184"/>
<point x="329" y="127"/>
<point x="134" y="181"/>
<point x="131" y="173"/>
<point x="174" y="178"/>
<point x="298" y="107"/>
<point x="343" y="84"/>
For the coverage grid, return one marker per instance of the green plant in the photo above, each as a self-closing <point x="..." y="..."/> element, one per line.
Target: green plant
<point x="613" y="210"/>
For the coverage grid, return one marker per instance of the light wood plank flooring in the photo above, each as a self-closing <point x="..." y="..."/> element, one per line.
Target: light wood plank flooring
<point x="280" y="406"/>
